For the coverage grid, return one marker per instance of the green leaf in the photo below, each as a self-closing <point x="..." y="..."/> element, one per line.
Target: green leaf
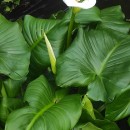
<point x="7" y="105"/>
<point x="120" y="107"/>
<point x="100" y="123"/>
<point x="1" y="83"/>
<point x="87" y="105"/>
<point x="113" y="18"/>
<point x="60" y="93"/>
<point x="85" y="16"/>
<point x="88" y="126"/>
<point x="45" y="112"/>
<point x="106" y="124"/>
<point x="34" y="29"/>
<point x="98" y="59"/>
<point x="14" y="52"/>
<point x="12" y="87"/>
<point x="58" y="15"/>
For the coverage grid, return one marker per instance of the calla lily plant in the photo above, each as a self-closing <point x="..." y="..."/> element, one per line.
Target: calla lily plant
<point x="67" y="72"/>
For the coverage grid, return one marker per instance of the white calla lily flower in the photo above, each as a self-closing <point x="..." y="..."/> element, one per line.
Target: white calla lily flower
<point x="86" y="4"/>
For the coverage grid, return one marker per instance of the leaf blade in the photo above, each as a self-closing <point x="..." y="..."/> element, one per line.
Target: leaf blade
<point x="38" y="115"/>
<point x="95" y="56"/>
<point x="14" y="52"/>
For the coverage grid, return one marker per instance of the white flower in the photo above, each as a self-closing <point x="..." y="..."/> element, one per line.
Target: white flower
<point x="86" y="4"/>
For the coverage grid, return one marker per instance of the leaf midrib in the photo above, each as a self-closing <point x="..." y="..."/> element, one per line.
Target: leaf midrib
<point x="40" y="113"/>
<point x="106" y="59"/>
<point x="35" y="43"/>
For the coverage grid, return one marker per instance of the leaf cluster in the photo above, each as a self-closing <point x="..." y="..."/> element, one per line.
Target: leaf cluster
<point x="90" y="90"/>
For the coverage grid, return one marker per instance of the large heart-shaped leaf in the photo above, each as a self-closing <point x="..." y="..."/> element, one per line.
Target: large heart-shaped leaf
<point x="14" y="51"/>
<point x="112" y="18"/>
<point x="97" y="59"/>
<point x="120" y="107"/>
<point x="45" y="112"/>
<point x="34" y="30"/>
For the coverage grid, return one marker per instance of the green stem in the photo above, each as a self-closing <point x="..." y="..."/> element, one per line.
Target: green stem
<point x="40" y="113"/>
<point x="5" y="99"/>
<point x="3" y="92"/>
<point x="70" y="29"/>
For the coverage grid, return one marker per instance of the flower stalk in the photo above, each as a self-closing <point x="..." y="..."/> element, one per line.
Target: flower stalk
<point x="76" y="6"/>
<point x="70" y="28"/>
<point x="71" y="25"/>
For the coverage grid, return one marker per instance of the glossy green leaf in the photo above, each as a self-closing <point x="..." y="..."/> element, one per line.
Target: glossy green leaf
<point x="34" y="29"/>
<point x="106" y="124"/>
<point x="97" y="59"/>
<point x="13" y="87"/>
<point x="88" y="126"/>
<point x="7" y="105"/>
<point x="14" y="52"/>
<point x="87" y="105"/>
<point x="113" y="18"/>
<point x="60" y="93"/>
<point x="120" y="107"/>
<point x="100" y="123"/>
<point x="45" y="112"/>
<point x="88" y="15"/>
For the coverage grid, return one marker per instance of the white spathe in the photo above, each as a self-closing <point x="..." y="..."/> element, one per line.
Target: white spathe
<point x="86" y="4"/>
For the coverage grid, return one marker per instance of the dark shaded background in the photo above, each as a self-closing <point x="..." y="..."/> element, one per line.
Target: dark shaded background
<point x="44" y="8"/>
